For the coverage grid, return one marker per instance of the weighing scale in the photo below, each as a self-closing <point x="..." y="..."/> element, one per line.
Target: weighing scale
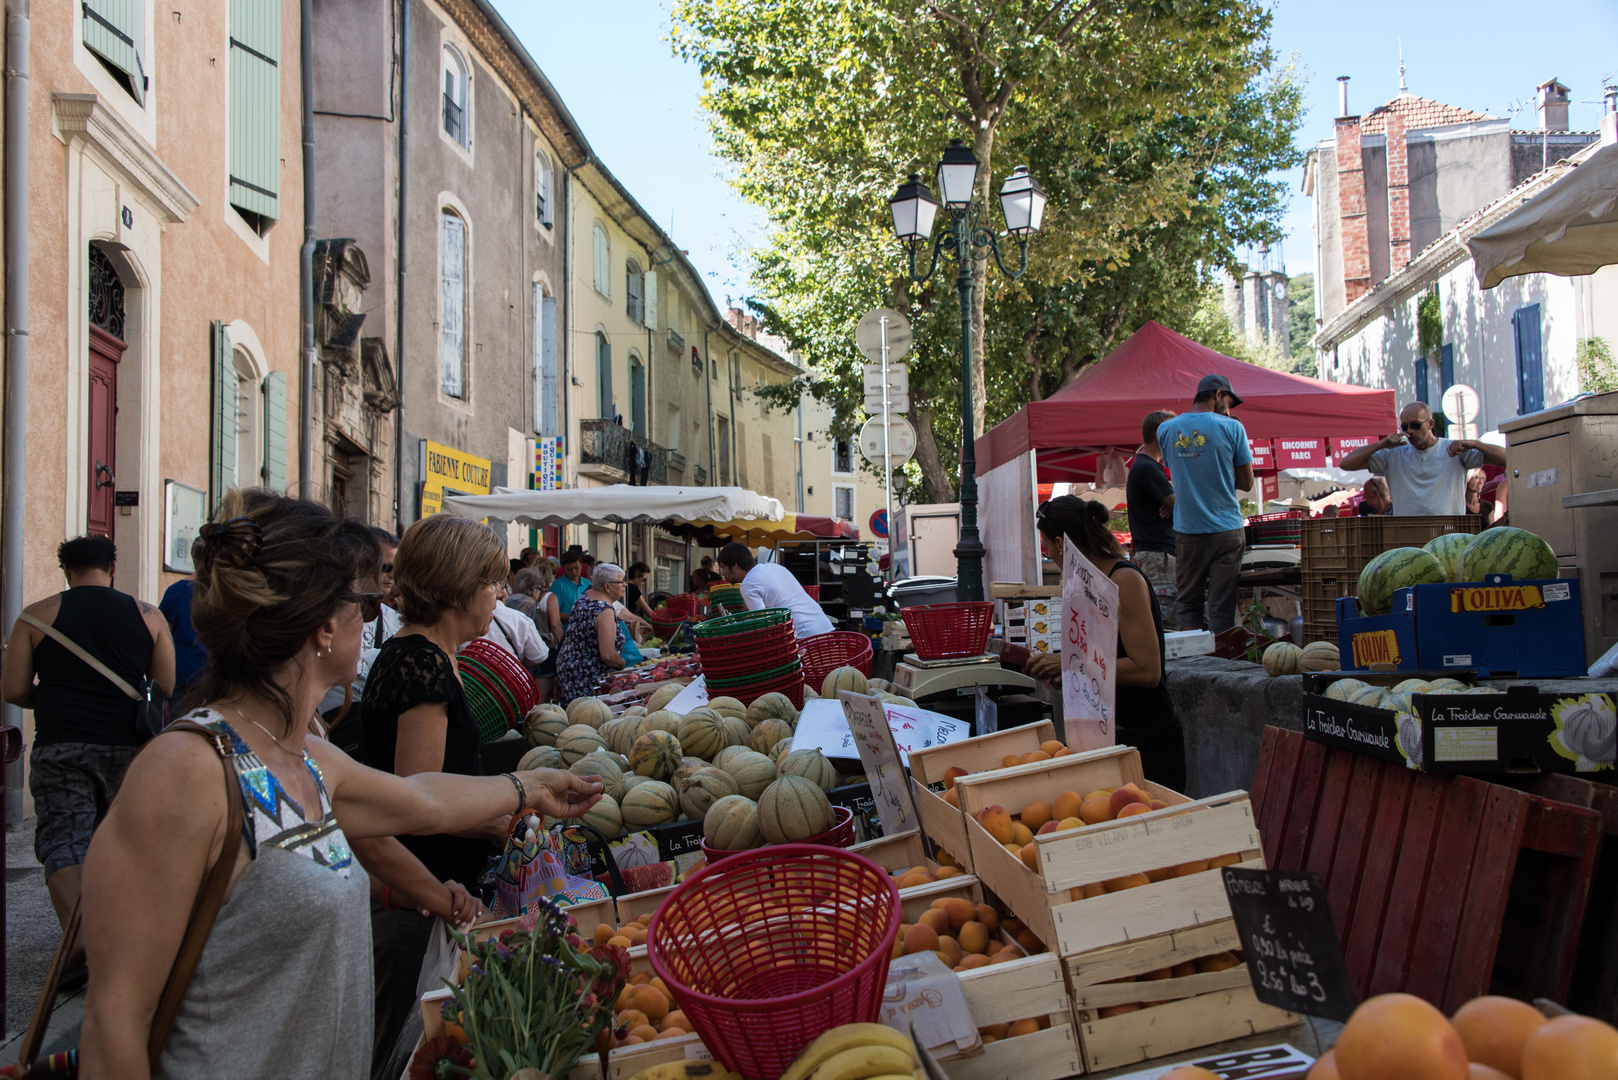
<point x="950" y="687"/>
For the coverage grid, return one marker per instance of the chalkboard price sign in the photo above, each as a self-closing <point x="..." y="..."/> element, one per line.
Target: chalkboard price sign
<point x="1290" y="941"/>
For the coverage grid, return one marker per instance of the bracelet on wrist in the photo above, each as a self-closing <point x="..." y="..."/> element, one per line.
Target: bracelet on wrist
<point x="522" y="792"/>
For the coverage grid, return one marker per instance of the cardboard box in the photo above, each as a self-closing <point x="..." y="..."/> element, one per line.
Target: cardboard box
<point x="1362" y="728"/>
<point x="1497" y="627"/>
<point x="1183" y="832"/>
<point x="941" y="823"/>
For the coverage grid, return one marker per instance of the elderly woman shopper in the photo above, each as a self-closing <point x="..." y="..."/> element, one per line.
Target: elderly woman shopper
<point x="283" y="985"/>
<point x="594" y="642"/>
<point x="534" y="598"/>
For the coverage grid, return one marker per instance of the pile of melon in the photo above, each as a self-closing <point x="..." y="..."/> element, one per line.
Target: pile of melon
<point x="1453" y="558"/>
<point x="728" y="765"/>
<point x="1285" y="658"/>
<point x="1396" y="698"/>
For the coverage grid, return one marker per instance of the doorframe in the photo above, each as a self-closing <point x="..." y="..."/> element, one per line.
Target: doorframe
<point x="101" y="343"/>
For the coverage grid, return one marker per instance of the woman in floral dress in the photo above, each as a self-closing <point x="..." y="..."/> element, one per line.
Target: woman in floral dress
<point x="594" y="642"/>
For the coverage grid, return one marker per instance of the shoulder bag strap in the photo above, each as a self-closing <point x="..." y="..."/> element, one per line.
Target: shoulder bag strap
<point x="210" y="897"/>
<point x="83" y="654"/>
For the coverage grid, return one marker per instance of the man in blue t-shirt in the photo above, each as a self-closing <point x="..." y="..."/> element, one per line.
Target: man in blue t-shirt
<point x="571" y="585"/>
<point x="1208" y="454"/>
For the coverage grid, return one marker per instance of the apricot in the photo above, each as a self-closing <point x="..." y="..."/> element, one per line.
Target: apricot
<point x="945" y="872"/>
<point x="1133" y="810"/>
<point x="1064" y="752"/>
<point x="973" y="961"/>
<point x="989" y="917"/>
<point x="1571" y="1048"/>
<point x="1013" y="926"/>
<point x="1030" y="857"/>
<point x="640" y="978"/>
<point x="1095" y="811"/>
<point x="1029" y="942"/>
<point x="952" y="774"/>
<point x="1099" y="793"/>
<point x="1070" y="823"/>
<point x="1402" y="1035"/>
<point x="935" y="918"/>
<point x="1117" y="1010"/>
<point x="1217" y="962"/>
<point x="995" y="1031"/>
<point x="960" y="911"/>
<point x="1127" y="794"/>
<point x="1066" y="805"/>
<point x="1021" y="834"/>
<point x="638" y="936"/>
<point x="603" y="933"/>
<point x="675" y="1019"/>
<point x="645" y="1033"/>
<point x="631" y="1040"/>
<point x="920" y="938"/>
<point x="1049" y="827"/>
<point x="671" y="1033"/>
<point x="1015" y="849"/>
<point x="1475" y="1071"/>
<point x="1128" y="881"/>
<point x="911" y="878"/>
<point x="1195" y="866"/>
<point x="1156" y="975"/>
<point x="1493" y="1030"/>
<point x="1159" y="804"/>
<point x="618" y="940"/>
<point x="950" y="797"/>
<point x="946" y="859"/>
<point x="1009" y="760"/>
<point x="1224" y="860"/>
<point x="1053" y="746"/>
<point x="996" y="822"/>
<point x="644" y="920"/>
<point x="1005" y="956"/>
<point x="989" y="1039"/>
<point x="632" y="1018"/>
<point x="1161" y="874"/>
<point x="950" y="949"/>
<point x="1035" y="755"/>
<point x="1022" y="1027"/>
<point x="974" y="937"/>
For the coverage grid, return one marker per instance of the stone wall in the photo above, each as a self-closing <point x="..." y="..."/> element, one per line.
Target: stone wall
<point x="1224" y="706"/>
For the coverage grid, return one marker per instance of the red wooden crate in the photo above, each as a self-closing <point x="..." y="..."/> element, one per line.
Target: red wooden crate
<point x="1445" y="887"/>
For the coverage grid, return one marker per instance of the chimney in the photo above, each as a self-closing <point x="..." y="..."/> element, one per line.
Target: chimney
<point x="1609" y="118"/>
<point x="1352" y="235"/>
<point x="1552" y="106"/>
<point x="1342" y="96"/>
<point x="1398" y="193"/>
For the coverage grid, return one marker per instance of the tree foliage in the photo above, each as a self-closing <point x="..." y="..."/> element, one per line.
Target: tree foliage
<point x="1153" y="125"/>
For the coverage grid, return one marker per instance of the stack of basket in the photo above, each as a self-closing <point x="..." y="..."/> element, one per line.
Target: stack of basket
<point x="750" y="654"/>
<point x="730" y="595"/>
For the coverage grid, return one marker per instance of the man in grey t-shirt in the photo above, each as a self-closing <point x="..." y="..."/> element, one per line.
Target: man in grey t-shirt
<point x="1426" y="474"/>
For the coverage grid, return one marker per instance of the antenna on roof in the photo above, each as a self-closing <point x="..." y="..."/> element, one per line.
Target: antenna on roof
<point x="1403" y="89"/>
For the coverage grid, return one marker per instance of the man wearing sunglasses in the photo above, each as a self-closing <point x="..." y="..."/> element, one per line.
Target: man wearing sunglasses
<point x="378" y="603"/>
<point x="1426" y="474"/>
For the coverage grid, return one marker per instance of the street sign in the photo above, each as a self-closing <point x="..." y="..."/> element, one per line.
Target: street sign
<point x="879" y="524"/>
<point x="902" y="441"/>
<point x="868" y="335"/>
<point x="1460" y="403"/>
<point x="897" y="404"/>
<point x="898" y="379"/>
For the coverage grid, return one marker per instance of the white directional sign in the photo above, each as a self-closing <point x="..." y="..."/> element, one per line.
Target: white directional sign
<point x="1460" y="407"/>
<point x="868" y="335"/>
<point x="901" y="441"/>
<point x="898" y="379"/>
<point x="897" y="404"/>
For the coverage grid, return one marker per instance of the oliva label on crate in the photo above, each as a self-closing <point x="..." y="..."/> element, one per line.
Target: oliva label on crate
<point x="1375" y="647"/>
<point x="1496" y="598"/>
<point x="926" y="997"/>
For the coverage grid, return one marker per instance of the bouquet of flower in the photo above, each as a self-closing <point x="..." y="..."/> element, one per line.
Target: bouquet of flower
<point x="537" y="997"/>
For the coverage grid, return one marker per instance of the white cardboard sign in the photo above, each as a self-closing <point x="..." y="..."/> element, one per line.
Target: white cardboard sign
<point x="823" y="726"/>
<point x="1089" y="652"/>
<point x="693" y="696"/>
<point x="873" y="738"/>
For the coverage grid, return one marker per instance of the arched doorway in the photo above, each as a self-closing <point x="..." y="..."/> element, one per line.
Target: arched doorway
<point x="106" y="350"/>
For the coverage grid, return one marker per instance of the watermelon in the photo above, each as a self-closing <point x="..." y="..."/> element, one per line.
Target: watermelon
<point x="655" y="754"/>
<point x="731" y="824"/>
<point x="651" y="803"/>
<point x="1504" y="550"/>
<point x="1398" y="568"/>
<point x="1282" y="658"/>
<point x="1448" y="548"/>
<point x="793" y="808"/>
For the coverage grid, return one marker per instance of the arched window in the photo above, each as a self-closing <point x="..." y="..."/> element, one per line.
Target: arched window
<point x="602" y="265"/>
<point x="542" y="186"/>
<point x="457" y="97"/>
<point x="452" y="305"/>
<point x="635" y="291"/>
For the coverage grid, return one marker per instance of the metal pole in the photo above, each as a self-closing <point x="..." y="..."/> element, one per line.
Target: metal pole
<point x="969" y="549"/>
<point x="399" y="271"/>
<point x="887" y="438"/>
<point x="306" y="256"/>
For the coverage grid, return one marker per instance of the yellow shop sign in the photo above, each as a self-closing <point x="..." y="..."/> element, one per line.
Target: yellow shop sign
<point x="445" y="470"/>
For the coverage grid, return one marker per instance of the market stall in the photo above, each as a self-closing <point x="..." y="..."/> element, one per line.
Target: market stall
<point x="619" y="504"/>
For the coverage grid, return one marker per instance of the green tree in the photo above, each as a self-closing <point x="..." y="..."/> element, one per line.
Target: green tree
<point x="1301" y="316"/>
<point x="1154" y="126"/>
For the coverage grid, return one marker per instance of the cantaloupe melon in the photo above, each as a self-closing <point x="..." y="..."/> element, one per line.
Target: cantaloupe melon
<point x="606" y="817"/>
<point x="619" y="733"/>
<point x="774" y="705"/>
<point x="728" y="706"/>
<point x="611" y="777"/>
<point x="663" y="695"/>
<point x="661" y="720"/>
<point x="768" y="733"/>
<point x="851" y="679"/>
<point x="723" y="758"/>
<point x="577" y="741"/>
<point x="632" y="779"/>
<point x="542" y="725"/>
<point x="635" y="710"/>
<point x="1320" y="656"/>
<point x="737" y="730"/>
<point x="779" y="751"/>
<point x="809" y="692"/>
<point x="589" y="710"/>
<point x="651" y="803"/>
<point x="1344" y="689"/>
<point x="810" y="764"/>
<point x="731" y="824"/>
<point x="752" y="772"/>
<point x="1369" y="696"/>
<point x="688" y="765"/>
<point x="1282" y="658"/>
<point x="655" y="754"/>
<point x="1413" y="686"/>
<point x="702" y="789"/>
<point x="701" y="734"/>
<point x="880" y="684"/>
<point x="541" y="757"/>
<point x="793" y="808"/>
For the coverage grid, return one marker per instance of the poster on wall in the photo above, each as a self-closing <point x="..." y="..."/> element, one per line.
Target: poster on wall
<point x="547" y="457"/>
<point x="1089" y="652"/>
<point x="185" y="511"/>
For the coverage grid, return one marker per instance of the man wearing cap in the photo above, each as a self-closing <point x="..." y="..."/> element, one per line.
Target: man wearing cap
<point x="1207" y="452"/>
<point x="1426" y="474"/>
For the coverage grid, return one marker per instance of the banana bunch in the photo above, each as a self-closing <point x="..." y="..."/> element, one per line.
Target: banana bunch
<point x="686" y="1070"/>
<point x="856" y="1052"/>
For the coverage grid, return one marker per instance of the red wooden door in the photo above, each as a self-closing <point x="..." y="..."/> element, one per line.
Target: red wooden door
<point x="105" y="351"/>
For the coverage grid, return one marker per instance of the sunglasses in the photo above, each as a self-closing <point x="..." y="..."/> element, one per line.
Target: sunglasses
<point x="386" y="568"/>
<point x="1415" y="425"/>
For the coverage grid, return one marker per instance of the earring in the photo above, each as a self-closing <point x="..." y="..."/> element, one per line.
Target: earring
<point x="320" y="654"/>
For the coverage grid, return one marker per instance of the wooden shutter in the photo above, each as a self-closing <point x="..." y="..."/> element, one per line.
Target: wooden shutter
<point x="452" y="336"/>
<point x="547" y="358"/>
<point x="604" y="377"/>
<point x="222" y="456"/>
<point x="115" y="30"/>
<point x="637" y="397"/>
<point x="633" y="279"/>
<point x="275" y="431"/>
<point x="603" y="270"/>
<point x="1530" y="369"/>
<point x="1421" y="379"/>
<point x="649" y="299"/>
<point x="255" y="107"/>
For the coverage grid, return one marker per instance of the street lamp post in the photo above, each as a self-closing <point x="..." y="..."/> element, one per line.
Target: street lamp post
<point x="914" y="209"/>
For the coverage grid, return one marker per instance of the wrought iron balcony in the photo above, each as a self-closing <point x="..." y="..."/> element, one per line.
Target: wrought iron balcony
<point x="607" y="450"/>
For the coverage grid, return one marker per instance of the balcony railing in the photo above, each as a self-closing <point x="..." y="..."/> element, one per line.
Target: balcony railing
<point x="607" y="449"/>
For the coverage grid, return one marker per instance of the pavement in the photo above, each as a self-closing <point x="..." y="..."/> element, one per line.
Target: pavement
<point x="32" y="935"/>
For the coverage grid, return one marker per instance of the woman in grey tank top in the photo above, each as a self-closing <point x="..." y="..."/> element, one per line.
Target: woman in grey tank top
<point x="283" y="987"/>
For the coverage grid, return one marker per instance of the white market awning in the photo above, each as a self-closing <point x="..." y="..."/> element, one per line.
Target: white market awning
<point x="1569" y="229"/>
<point x="617" y="504"/>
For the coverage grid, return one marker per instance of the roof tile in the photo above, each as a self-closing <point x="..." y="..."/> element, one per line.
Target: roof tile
<point x="1419" y="112"/>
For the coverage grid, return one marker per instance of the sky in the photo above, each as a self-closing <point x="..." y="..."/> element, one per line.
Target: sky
<point x="638" y="104"/>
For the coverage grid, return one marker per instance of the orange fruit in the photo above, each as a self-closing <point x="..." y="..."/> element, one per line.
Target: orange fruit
<point x="1493" y="1030"/>
<point x="974" y="937"/>
<point x="1036" y="814"/>
<point x="1066" y="805"/>
<point x="1401" y="1035"/>
<point x="1571" y="1048"/>
<point x="1022" y="1027"/>
<point x="675" y="1019"/>
<point x="920" y="938"/>
<point x="1053" y="746"/>
<point x="1325" y="1067"/>
<point x="1095" y="810"/>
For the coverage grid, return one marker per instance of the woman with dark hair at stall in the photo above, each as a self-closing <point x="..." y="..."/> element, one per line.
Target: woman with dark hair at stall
<point x="1145" y="712"/>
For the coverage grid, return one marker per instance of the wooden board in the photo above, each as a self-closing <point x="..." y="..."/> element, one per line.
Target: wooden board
<point x="1150" y="954"/>
<point x="1017" y="990"/>
<point x="626" y="1061"/>
<point x="940" y="821"/>
<point x="1044" y="1055"/>
<point x="1176" y="1026"/>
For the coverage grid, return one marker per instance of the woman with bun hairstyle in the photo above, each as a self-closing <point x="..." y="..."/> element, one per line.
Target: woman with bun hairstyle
<point x="283" y="986"/>
<point x="1145" y="713"/>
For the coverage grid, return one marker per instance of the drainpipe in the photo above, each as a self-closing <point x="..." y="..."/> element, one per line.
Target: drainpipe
<point x="732" y="362"/>
<point x="565" y="341"/>
<point x="306" y="255"/>
<point x="399" y="271"/>
<point x="16" y="271"/>
<point x="707" y="377"/>
<point x="798" y="444"/>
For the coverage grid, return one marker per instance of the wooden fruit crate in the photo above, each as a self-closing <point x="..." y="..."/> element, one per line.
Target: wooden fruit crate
<point x="941" y="822"/>
<point x="1192" y="1011"/>
<point x="1183" y="832"/>
<point x="632" y="906"/>
<point x="1017" y="990"/>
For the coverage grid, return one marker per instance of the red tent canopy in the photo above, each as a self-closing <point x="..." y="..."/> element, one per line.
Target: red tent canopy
<point x="1159" y="369"/>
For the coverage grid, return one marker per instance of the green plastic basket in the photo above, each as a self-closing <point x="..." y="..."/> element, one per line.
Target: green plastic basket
<point x="760" y="676"/>
<point x="741" y="622"/>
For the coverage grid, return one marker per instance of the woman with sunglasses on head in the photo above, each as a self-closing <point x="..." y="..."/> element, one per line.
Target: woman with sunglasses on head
<point x="594" y="642"/>
<point x="1145" y="713"/>
<point x="283" y="984"/>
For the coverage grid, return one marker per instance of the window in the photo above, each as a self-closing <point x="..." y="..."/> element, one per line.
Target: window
<point x="1446" y="379"/>
<point x="722" y="437"/>
<point x="634" y="291"/>
<point x="457" y="98"/>
<point x="115" y="31"/>
<point x="452" y="307"/>
<point x="255" y="111"/>
<point x="603" y="377"/>
<point x="1530" y="369"/>
<point x="600" y="264"/>
<point x="637" y="396"/>
<point x="545" y="396"/>
<point x="542" y="186"/>
<point x="843" y="500"/>
<point x="248" y="444"/>
<point x="1421" y="379"/>
<point x="842" y="456"/>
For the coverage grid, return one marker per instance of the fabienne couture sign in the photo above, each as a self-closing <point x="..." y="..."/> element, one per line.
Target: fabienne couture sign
<point x="1089" y="652"/>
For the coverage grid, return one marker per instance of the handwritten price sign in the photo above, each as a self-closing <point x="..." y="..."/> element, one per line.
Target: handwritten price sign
<point x="879" y="753"/>
<point x="1089" y="652"/>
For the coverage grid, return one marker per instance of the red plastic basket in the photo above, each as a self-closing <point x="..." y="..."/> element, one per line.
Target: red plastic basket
<point x="839" y="648"/>
<point x="790" y="684"/>
<point x="948" y="631"/>
<point x="666" y="620"/>
<point x="813" y="591"/>
<point x="840" y="835"/>
<point x="499" y="690"/>
<point x="759" y="987"/>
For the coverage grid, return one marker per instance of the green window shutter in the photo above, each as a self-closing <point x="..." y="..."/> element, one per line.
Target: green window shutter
<point x="275" y="431"/>
<point x="222" y="455"/>
<point x="255" y="107"/>
<point x="115" y="31"/>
